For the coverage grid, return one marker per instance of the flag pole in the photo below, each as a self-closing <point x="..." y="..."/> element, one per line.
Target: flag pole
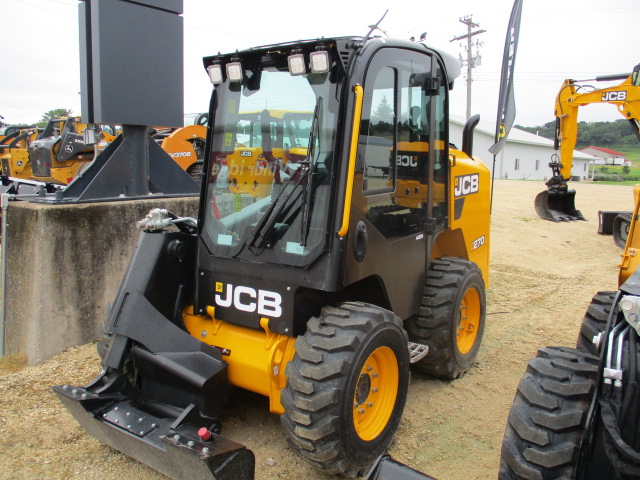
<point x="506" y="100"/>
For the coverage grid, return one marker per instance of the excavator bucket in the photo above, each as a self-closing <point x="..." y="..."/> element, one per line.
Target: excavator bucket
<point x="557" y="206"/>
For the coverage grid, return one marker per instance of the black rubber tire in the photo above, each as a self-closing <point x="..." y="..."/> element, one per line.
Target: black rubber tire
<point x="436" y="324"/>
<point x="547" y="419"/>
<point x="320" y="395"/>
<point x="595" y="321"/>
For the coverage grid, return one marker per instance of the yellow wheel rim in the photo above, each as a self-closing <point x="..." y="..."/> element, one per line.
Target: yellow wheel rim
<point x="467" y="329"/>
<point x="375" y="394"/>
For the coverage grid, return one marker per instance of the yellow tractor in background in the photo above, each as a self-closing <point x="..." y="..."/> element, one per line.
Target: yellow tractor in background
<point x="55" y="155"/>
<point x="365" y="252"/>
<point x="186" y="144"/>
<point x="557" y="203"/>
<point x="247" y="170"/>
<point x="60" y="152"/>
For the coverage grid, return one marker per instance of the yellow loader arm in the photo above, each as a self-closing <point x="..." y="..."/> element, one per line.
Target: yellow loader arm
<point x="557" y="203"/>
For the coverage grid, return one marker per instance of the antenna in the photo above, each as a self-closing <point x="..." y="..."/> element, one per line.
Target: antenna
<point x="375" y="27"/>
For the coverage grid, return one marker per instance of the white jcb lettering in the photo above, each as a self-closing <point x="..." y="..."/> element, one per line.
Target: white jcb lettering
<point x="614" y="96"/>
<point x="406" y="161"/>
<point x="269" y="303"/>
<point x="466" y="185"/>
<point x="237" y="301"/>
<point x="244" y="299"/>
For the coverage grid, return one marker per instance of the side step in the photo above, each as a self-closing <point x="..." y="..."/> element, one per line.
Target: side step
<point x="417" y="351"/>
<point x="181" y="447"/>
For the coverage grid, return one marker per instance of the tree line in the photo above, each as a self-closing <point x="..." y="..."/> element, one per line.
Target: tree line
<point x="597" y="134"/>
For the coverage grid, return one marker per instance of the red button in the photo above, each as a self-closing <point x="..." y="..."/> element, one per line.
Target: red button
<point x="204" y="434"/>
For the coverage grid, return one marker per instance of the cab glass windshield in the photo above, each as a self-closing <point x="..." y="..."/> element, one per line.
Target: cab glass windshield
<point x="269" y="178"/>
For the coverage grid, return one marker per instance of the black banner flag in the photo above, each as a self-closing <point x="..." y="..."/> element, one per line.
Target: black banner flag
<point x="506" y="102"/>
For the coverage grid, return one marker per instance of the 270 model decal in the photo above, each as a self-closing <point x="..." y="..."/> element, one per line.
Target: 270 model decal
<point x="477" y="243"/>
<point x="466" y="185"/>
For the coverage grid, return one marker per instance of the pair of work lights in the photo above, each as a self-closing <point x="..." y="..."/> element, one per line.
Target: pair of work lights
<point x="318" y="62"/>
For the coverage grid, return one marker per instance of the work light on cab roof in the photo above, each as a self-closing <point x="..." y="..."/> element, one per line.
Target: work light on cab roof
<point x="319" y="61"/>
<point x="296" y="63"/>
<point x="234" y="71"/>
<point x="215" y="73"/>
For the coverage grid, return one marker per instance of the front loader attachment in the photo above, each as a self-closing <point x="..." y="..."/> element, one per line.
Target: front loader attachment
<point x="161" y="390"/>
<point x="176" y="447"/>
<point x="557" y="205"/>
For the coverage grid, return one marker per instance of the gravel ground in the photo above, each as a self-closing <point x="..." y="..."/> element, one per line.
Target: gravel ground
<point x="543" y="276"/>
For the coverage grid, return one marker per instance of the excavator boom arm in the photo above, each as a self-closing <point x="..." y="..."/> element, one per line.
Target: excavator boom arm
<point x="625" y="96"/>
<point x="557" y="202"/>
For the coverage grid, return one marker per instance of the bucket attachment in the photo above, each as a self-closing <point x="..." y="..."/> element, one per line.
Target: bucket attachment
<point x="606" y="218"/>
<point x="386" y="467"/>
<point x="621" y="226"/>
<point x="557" y="206"/>
<point x="160" y="390"/>
<point x="181" y="448"/>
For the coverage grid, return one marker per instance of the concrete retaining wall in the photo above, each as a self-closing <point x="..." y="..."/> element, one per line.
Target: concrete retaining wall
<point x="64" y="266"/>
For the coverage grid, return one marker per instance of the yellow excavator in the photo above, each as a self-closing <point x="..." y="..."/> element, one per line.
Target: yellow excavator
<point x="557" y="203"/>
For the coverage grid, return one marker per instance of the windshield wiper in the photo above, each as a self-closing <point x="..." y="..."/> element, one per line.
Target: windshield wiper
<point x="311" y="151"/>
<point x="265" y="227"/>
<point x="267" y="223"/>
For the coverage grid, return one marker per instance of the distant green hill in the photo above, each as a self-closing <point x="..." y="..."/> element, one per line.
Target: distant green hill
<point x="616" y="135"/>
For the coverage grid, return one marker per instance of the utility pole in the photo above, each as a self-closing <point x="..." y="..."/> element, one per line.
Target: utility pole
<point x="471" y="61"/>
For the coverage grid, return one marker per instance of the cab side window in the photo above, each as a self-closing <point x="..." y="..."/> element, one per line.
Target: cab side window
<point x="378" y="131"/>
<point x="395" y="138"/>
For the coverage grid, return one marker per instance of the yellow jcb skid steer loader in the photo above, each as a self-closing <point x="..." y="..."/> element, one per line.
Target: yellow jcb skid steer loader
<point x="318" y="293"/>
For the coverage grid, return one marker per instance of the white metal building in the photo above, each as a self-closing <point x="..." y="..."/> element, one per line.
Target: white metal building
<point x="524" y="156"/>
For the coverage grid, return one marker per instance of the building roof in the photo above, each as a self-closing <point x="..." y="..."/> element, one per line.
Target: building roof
<point x="606" y="150"/>
<point x="517" y="136"/>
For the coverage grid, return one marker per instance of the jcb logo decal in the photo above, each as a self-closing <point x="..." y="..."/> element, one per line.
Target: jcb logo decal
<point x="406" y="161"/>
<point x="247" y="299"/>
<point x="466" y="185"/>
<point x="614" y="96"/>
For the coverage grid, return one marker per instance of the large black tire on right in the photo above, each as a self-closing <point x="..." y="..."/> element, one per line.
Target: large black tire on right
<point x="451" y="317"/>
<point x="595" y="321"/>
<point x="547" y="419"/>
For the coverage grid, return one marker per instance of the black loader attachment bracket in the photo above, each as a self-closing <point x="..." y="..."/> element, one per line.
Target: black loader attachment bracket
<point x="161" y="390"/>
<point x="557" y="203"/>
